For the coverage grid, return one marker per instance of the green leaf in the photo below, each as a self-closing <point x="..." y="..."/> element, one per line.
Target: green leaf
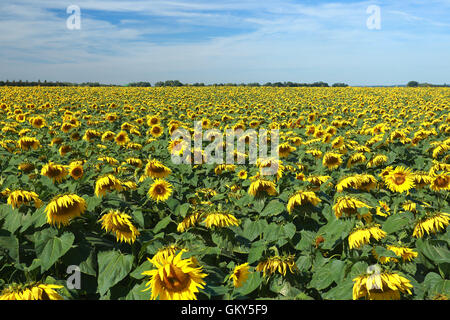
<point x="253" y="229"/>
<point x="92" y="202"/>
<point x="113" y="266"/>
<point x="9" y="243"/>
<point x="383" y="252"/>
<point x="273" y="208"/>
<point x="255" y="253"/>
<point x="162" y="224"/>
<point x="54" y="249"/>
<point x="435" y="284"/>
<point x="253" y="282"/>
<point x="334" y="231"/>
<point x="397" y="222"/>
<point x="343" y="291"/>
<point x="303" y="263"/>
<point x="137" y="273"/>
<point x="182" y="210"/>
<point x="137" y="292"/>
<point x="437" y="253"/>
<point x="37" y="219"/>
<point x="13" y="218"/>
<point x="324" y="276"/>
<point x="306" y="240"/>
<point x="138" y="217"/>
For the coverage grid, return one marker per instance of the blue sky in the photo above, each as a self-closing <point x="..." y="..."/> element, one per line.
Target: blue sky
<point x="226" y="41"/>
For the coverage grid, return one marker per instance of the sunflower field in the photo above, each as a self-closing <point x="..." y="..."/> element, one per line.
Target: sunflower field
<point x="358" y="207"/>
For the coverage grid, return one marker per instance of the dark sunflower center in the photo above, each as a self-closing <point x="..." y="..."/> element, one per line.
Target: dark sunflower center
<point x="157" y="169"/>
<point x="399" y="178"/>
<point x="332" y="161"/>
<point x="160" y="189"/>
<point x="69" y="210"/>
<point x="441" y="182"/>
<point x="76" y="172"/>
<point x="177" y="280"/>
<point x="123" y="228"/>
<point x="53" y="172"/>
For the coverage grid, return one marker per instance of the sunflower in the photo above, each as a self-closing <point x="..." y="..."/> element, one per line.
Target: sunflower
<point x="367" y="182"/>
<point x="37" y="122"/>
<point x="160" y="190"/>
<point x="432" y="223"/>
<point x="240" y="275"/>
<point x="122" y="138"/>
<point x="356" y="158"/>
<point x="440" y="182"/>
<point x="332" y="160"/>
<point x="189" y="221"/>
<point x="421" y="179"/>
<point x="107" y="183"/>
<point x="153" y="120"/>
<point x="405" y="253"/>
<point x="220" y="220"/>
<point x="219" y="169"/>
<point x="378" y="160"/>
<point x="110" y="160"/>
<point x="56" y="172"/>
<point x="317" y="181"/>
<point x="361" y="236"/>
<point x="375" y="285"/>
<point x="31" y="291"/>
<point x="135" y="162"/>
<point x="63" y="208"/>
<point x="400" y="180"/>
<point x="120" y="224"/>
<point x="156" y="131"/>
<point x="315" y="152"/>
<point x="76" y="169"/>
<point x="90" y="135"/>
<point x="277" y="263"/>
<point x="108" y="136"/>
<point x="410" y="206"/>
<point x="165" y="252"/>
<point x="337" y="143"/>
<point x="284" y="149"/>
<point x="348" y="206"/>
<point x="27" y="143"/>
<point x="64" y="149"/>
<point x="260" y="187"/>
<point x="302" y="198"/>
<point x="270" y="166"/>
<point x="26" y="167"/>
<point x="383" y="209"/>
<point x="155" y="169"/>
<point x="242" y="174"/>
<point x="174" y="278"/>
<point x="348" y="182"/>
<point x="18" y="198"/>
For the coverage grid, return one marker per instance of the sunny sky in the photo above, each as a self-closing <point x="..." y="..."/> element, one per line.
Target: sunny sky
<point x="225" y="41"/>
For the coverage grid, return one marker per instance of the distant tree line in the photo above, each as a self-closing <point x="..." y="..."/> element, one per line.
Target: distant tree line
<point x="46" y="83"/>
<point x="177" y="83"/>
<point x="140" y="84"/>
<point x="414" y="84"/>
